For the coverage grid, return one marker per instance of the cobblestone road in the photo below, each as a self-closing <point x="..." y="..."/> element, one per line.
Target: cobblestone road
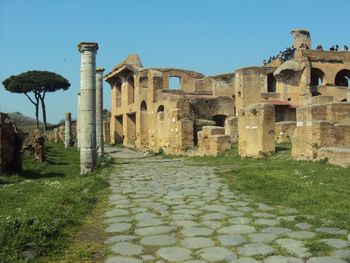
<point x="168" y="210"/>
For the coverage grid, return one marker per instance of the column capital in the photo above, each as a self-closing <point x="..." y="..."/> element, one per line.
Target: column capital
<point x="99" y="70"/>
<point x="87" y="46"/>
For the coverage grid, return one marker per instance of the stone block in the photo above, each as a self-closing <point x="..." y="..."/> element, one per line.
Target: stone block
<point x="231" y="128"/>
<point x="284" y="131"/>
<point x="218" y="144"/>
<point x="213" y="130"/>
<point x="256" y="125"/>
<point x="336" y="155"/>
<point x="212" y="144"/>
<point x="321" y="99"/>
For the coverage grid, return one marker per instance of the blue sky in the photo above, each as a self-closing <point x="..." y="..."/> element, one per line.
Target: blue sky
<point x="211" y="37"/>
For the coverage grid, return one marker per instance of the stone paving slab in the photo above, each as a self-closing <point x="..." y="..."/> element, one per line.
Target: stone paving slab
<point x="168" y="210"/>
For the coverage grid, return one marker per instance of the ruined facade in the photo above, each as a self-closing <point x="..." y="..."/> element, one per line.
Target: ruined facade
<point x="149" y="113"/>
<point x="301" y="83"/>
<point x="290" y="82"/>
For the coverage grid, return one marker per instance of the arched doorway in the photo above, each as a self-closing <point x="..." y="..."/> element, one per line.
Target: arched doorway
<point x="342" y="78"/>
<point x="317" y="76"/>
<point x="219" y="120"/>
<point x="143" y="124"/>
<point x="271" y="83"/>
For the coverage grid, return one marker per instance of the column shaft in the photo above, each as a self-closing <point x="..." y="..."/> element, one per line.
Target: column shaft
<point x="99" y="111"/>
<point x="87" y="110"/>
<point x="67" y="130"/>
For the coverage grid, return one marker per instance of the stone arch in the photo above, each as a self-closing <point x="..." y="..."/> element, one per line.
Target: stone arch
<point x="131" y="90"/>
<point x="317" y="77"/>
<point x="144" y="137"/>
<point x="271" y="83"/>
<point x="160" y="112"/>
<point x="143" y="106"/>
<point x="342" y="78"/>
<point x="219" y="119"/>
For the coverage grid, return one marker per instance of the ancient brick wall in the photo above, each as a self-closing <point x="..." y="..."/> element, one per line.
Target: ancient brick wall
<point x="319" y="126"/>
<point x="10" y="145"/>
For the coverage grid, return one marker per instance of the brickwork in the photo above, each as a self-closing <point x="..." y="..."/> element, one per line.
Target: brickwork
<point x="159" y="118"/>
<point x="319" y="126"/>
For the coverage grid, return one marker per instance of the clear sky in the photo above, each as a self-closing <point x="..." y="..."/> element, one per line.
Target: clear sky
<point x="208" y="36"/>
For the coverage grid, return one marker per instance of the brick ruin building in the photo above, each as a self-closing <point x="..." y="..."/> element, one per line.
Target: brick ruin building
<point x="150" y="113"/>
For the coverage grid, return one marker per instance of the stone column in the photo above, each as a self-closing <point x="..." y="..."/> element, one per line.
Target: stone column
<point x="77" y="123"/>
<point x="87" y="110"/>
<point x="67" y="130"/>
<point x="99" y="111"/>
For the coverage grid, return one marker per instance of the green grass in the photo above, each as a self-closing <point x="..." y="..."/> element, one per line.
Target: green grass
<point x="42" y="207"/>
<point x="318" y="248"/>
<point x="311" y="187"/>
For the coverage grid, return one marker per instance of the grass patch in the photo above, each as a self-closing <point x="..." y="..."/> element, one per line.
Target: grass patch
<point x="42" y="207"/>
<point x="317" y="248"/>
<point x="311" y="187"/>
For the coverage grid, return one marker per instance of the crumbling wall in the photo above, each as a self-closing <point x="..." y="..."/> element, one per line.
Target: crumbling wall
<point x="57" y="135"/>
<point x="207" y="107"/>
<point x="213" y="141"/>
<point x="187" y="78"/>
<point x="231" y="128"/>
<point x="321" y="99"/>
<point x="249" y="83"/>
<point x="256" y="124"/>
<point x="319" y="126"/>
<point x="10" y="145"/>
<point x="219" y="85"/>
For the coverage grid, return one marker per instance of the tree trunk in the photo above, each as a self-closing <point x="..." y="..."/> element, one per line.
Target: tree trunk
<point x="37" y="116"/>
<point x="43" y="109"/>
<point x="36" y="104"/>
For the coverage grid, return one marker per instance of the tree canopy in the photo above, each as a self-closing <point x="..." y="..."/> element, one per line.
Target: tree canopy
<point x="37" y="82"/>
